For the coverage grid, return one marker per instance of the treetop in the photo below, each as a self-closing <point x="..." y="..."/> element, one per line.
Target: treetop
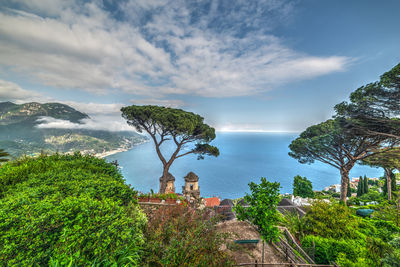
<point x="168" y="121"/>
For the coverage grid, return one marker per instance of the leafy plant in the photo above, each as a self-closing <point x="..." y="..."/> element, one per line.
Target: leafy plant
<point x="67" y="209"/>
<point x="179" y="236"/>
<point x="302" y="187"/>
<point x="330" y="220"/>
<point x="262" y="210"/>
<point x="3" y="155"/>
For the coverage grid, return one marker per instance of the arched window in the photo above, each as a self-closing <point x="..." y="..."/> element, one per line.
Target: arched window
<point x="191" y="186"/>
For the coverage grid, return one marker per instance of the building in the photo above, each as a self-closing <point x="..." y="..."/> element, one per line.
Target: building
<point x="170" y="187"/>
<point x="191" y="188"/>
<point x="212" y="201"/>
<point x="333" y="188"/>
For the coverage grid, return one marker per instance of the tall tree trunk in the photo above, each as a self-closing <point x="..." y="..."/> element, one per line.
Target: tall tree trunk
<point x="344" y="173"/>
<point x="388" y="173"/>
<point x="163" y="178"/>
<point x="167" y="165"/>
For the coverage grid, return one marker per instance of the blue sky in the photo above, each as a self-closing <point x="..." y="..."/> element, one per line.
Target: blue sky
<point x="243" y="65"/>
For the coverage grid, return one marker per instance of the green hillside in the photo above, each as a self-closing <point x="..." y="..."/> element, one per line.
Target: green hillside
<point x="11" y="113"/>
<point x="20" y="135"/>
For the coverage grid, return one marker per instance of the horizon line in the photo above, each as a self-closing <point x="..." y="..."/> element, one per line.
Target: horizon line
<point x="256" y="131"/>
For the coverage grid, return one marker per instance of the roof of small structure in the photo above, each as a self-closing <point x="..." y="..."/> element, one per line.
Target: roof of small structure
<point x="191" y="177"/>
<point x="170" y="177"/>
<point x="226" y="202"/>
<point x="285" y="202"/>
<point x="212" y="201"/>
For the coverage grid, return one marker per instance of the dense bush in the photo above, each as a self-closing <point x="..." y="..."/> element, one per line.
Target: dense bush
<point x="262" y="210"/>
<point x="329" y="219"/>
<point x="331" y="232"/>
<point x="180" y="236"/>
<point x="328" y="249"/>
<point x="67" y="209"/>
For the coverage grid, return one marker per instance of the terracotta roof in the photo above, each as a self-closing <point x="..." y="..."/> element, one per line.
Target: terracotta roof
<point x="191" y="177"/>
<point x="212" y="201"/>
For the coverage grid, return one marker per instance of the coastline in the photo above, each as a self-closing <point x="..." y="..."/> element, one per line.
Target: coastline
<point x="118" y="150"/>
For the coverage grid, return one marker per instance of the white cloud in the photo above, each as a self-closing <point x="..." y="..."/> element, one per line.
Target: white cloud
<point x="105" y="123"/>
<point x="179" y="48"/>
<point x="95" y="108"/>
<point x="172" y="103"/>
<point x="10" y="91"/>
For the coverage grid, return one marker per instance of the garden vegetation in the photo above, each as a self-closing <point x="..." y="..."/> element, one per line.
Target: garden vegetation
<point x="75" y="210"/>
<point x="331" y="232"/>
<point x="68" y="209"/>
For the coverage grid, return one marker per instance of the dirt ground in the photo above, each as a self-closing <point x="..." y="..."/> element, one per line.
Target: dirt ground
<point x="248" y="253"/>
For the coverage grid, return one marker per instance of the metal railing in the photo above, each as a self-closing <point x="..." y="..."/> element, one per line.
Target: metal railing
<point x="291" y="241"/>
<point x="256" y="264"/>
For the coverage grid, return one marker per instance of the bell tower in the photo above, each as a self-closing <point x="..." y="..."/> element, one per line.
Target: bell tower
<point x="191" y="188"/>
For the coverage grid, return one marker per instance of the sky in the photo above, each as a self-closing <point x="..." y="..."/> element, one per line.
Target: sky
<point x="274" y="66"/>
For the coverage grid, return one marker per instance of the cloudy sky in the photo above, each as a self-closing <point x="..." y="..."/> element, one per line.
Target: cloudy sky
<point x="271" y="65"/>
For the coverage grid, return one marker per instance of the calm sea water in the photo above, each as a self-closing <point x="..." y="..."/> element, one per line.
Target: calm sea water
<point x="244" y="157"/>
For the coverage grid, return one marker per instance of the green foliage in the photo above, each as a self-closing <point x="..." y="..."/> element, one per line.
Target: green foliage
<point x="365" y="185"/>
<point x="360" y="187"/>
<point x="331" y="143"/>
<point x="316" y="142"/>
<point x="349" y="190"/>
<point x="392" y="259"/>
<point x="174" y="122"/>
<point x="3" y="155"/>
<point x="302" y="187"/>
<point x="294" y="224"/>
<point x="330" y="220"/>
<point x="393" y="185"/>
<point x="343" y="261"/>
<point x="331" y="232"/>
<point x="67" y="209"/>
<point x="328" y="249"/>
<point x="180" y="126"/>
<point x="179" y="236"/>
<point x="372" y="195"/>
<point x="262" y="210"/>
<point x="374" y="108"/>
<point x="19" y="134"/>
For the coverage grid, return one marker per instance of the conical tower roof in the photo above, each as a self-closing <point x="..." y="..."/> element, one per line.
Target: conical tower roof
<point x="170" y="177"/>
<point x="191" y="177"/>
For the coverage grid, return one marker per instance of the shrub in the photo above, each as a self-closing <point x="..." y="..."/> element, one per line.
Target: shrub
<point x="180" y="236"/>
<point x="328" y="219"/>
<point x="328" y="249"/>
<point x="262" y="210"/>
<point x="67" y="209"/>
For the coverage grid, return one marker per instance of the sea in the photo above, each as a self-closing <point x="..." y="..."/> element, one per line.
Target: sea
<point x="244" y="158"/>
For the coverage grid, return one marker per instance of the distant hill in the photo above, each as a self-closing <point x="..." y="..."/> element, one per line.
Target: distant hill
<point x="11" y="113"/>
<point x="20" y="135"/>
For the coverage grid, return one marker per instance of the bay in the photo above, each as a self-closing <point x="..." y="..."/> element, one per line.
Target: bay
<point x="244" y="158"/>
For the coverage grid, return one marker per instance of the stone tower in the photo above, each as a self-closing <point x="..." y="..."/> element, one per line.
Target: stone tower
<point x="170" y="188"/>
<point x="191" y="188"/>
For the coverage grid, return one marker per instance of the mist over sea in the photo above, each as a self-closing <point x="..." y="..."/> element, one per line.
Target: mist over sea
<point x="244" y="157"/>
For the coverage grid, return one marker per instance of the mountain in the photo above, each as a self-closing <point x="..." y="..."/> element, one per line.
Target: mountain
<point x="11" y="113"/>
<point x="20" y="135"/>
